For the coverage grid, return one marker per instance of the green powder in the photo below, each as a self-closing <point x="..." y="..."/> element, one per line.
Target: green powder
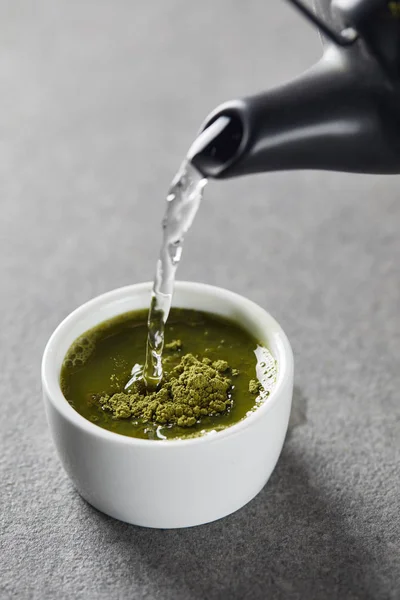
<point x="255" y="387"/>
<point x="215" y="374"/>
<point x="174" y="345"/>
<point x="193" y="389"/>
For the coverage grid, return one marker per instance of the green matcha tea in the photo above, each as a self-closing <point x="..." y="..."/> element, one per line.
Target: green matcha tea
<point x="214" y="374"/>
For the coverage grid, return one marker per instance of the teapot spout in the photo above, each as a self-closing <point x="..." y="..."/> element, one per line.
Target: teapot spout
<point x="329" y="118"/>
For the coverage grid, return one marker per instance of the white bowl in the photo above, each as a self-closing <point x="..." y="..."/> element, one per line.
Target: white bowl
<point x="172" y="483"/>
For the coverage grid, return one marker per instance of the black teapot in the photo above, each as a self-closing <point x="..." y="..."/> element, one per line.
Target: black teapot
<point x="341" y="115"/>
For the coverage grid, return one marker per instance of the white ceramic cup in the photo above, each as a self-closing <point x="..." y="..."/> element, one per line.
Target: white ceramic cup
<point x="172" y="483"/>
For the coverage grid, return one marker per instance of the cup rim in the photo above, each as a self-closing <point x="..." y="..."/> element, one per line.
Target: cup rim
<point x="51" y="384"/>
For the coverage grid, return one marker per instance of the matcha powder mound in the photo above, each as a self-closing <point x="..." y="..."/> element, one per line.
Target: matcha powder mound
<point x="193" y="389"/>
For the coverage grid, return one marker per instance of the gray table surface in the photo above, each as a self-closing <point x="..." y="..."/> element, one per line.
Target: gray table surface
<point x="99" y="101"/>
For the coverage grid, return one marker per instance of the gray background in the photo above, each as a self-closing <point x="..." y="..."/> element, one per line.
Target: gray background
<point x="99" y="100"/>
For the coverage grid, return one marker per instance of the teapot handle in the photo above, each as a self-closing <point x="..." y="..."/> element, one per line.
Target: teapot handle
<point x="343" y="38"/>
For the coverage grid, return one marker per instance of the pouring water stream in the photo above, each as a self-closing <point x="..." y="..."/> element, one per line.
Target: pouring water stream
<point x="183" y="201"/>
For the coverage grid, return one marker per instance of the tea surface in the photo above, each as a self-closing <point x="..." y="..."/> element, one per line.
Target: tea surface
<point x="100" y="363"/>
